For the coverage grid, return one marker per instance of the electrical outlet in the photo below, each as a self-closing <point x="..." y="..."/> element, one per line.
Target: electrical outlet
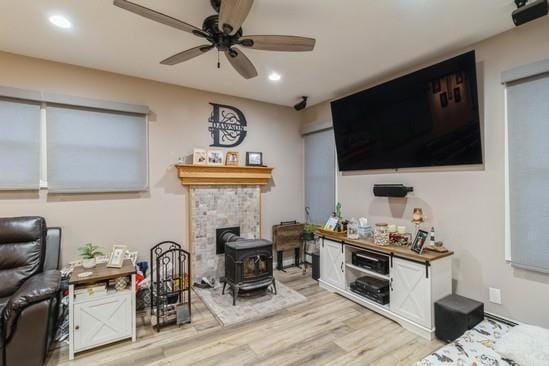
<point x="495" y="295"/>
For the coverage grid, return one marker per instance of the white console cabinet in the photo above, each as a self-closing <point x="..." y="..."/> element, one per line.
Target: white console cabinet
<point x="416" y="281"/>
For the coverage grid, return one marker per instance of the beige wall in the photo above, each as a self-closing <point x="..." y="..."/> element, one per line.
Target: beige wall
<point x="177" y="124"/>
<point x="467" y="207"/>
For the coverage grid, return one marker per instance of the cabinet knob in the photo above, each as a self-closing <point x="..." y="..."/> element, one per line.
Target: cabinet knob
<point x="77" y="327"/>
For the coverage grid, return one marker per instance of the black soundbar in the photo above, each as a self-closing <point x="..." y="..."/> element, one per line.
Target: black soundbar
<point x="391" y="190"/>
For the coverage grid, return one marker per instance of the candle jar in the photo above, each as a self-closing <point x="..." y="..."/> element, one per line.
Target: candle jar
<point x="352" y="229"/>
<point x="381" y="234"/>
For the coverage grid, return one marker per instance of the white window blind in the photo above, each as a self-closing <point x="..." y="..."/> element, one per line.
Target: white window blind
<point x="96" y="151"/>
<point x="320" y="175"/>
<point x="19" y="145"/>
<point x="528" y="172"/>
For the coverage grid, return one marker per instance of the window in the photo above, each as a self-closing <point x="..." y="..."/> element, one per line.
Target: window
<point x="92" y="150"/>
<point x="320" y="175"/>
<point x="71" y="144"/>
<point x="528" y="171"/>
<point x="19" y="145"/>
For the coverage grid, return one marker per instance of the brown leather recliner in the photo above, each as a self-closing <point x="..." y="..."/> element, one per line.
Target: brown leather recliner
<point x="28" y="292"/>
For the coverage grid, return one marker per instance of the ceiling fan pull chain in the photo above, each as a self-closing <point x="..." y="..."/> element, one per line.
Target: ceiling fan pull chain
<point x="218" y="62"/>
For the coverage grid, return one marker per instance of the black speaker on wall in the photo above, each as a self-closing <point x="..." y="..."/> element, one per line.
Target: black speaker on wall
<point x="391" y="190"/>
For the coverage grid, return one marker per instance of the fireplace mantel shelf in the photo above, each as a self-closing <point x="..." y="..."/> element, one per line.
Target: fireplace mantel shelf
<point x="192" y="175"/>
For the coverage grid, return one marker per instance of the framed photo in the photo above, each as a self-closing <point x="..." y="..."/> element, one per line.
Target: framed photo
<point x="215" y="157"/>
<point x="254" y="159"/>
<point x="232" y="158"/>
<point x="117" y="257"/>
<point x="435" y="86"/>
<point x="444" y="100"/>
<point x="132" y="256"/>
<point x="419" y="241"/>
<point x="457" y="94"/>
<point x="200" y="157"/>
<point x="331" y="224"/>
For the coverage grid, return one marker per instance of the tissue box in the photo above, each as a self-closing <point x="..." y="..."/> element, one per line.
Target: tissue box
<point x="365" y="232"/>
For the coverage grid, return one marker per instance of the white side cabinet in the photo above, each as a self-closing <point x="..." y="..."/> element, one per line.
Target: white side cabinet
<point x="332" y="266"/>
<point x="101" y="318"/>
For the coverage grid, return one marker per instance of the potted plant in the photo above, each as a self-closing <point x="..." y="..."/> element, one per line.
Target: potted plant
<point x="88" y="252"/>
<point x="309" y="232"/>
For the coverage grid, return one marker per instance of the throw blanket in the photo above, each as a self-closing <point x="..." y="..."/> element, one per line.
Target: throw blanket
<point x="526" y="345"/>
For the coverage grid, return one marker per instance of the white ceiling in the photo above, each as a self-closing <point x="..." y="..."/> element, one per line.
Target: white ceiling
<point x="357" y="40"/>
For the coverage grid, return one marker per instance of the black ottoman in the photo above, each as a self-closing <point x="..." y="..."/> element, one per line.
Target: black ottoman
<point x="454" y="315"/>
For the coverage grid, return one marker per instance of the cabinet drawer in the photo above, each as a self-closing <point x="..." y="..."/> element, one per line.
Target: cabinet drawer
<point x="101" y="321"/>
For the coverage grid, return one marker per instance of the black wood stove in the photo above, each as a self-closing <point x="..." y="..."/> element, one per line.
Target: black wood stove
<point x="248" y="264"/>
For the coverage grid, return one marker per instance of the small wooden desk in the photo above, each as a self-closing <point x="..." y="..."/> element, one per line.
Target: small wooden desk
<point x="101" y="319"/>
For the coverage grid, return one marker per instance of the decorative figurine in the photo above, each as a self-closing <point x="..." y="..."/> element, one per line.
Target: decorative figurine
<point x="417" y="218"/>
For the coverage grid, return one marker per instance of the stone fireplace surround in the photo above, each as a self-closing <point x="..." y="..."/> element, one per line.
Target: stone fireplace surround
<point x="220" y="206"/>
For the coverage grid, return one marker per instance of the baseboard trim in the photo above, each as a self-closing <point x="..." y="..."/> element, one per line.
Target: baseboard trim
<point x="500" y="319"/>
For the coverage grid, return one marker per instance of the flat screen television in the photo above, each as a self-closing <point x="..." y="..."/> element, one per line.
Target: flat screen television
<point x="424" y="119"/>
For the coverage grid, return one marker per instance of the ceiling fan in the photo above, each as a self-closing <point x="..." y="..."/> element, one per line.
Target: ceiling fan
<point x="223" y="31"/>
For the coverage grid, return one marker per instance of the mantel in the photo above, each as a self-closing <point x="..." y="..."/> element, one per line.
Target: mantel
<point x="191" y="175"/>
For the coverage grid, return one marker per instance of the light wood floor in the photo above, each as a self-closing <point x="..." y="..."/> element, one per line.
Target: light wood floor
<point x="325" y="330"/>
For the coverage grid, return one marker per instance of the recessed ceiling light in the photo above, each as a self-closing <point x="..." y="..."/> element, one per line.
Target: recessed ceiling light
<point x="60" y="21"/>
<point x="274" y="76"/>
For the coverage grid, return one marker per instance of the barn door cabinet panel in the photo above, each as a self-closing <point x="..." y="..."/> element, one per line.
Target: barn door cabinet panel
<point x="332" y="266"/>
<point x="411" y="291"/>
<point x="102" y="321"/>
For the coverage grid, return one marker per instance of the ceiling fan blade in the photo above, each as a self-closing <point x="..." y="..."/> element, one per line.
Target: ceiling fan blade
<point x="278" y="43"/>
<point x="232" y="14"/>
<point x="159" y="17"/>
<point x="186" y="55"/>
<point x="241" y="63"/>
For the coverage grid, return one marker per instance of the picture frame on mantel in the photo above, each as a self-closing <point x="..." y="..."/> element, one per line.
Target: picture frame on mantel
<point x="232" y="158"/>
<point x="216" y="157"/>
<point x="200" y="157"/>
<point x="254" y="158"/>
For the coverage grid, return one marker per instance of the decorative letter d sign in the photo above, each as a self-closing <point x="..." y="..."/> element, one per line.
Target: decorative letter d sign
<point x="227" y="126"/>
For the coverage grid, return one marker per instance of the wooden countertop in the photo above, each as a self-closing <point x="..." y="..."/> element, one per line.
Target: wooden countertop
<point x="101" y="273"/>
<point x="425" y="256"/>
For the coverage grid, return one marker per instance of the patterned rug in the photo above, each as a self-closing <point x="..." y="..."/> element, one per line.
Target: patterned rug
<point x="247" y="307"/>
<point x="475" y="347"/>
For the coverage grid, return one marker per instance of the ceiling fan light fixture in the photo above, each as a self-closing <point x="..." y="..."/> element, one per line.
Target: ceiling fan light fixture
<point x="223" y="31"/>
<point x="233" y="53"/>
<point x="60" y="21"/>
<point x="274" y="76"/>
